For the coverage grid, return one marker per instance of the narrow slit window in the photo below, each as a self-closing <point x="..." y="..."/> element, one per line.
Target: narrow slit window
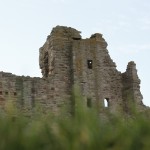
<point x="90" y="64"/>
<point x="89" y="102"/>
<point x="106" y="102"/>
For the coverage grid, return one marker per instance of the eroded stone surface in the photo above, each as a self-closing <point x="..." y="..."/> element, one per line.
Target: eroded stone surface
<point x="67" y="59"/>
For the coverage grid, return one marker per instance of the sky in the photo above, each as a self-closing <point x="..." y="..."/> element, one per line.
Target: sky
<point x="125" y="25"/>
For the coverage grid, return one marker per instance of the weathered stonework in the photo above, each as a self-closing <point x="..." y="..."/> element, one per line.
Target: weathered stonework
<point x="67" y="59"/>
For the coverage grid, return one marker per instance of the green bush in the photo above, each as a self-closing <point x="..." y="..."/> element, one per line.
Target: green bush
<point x="83" y="131"/>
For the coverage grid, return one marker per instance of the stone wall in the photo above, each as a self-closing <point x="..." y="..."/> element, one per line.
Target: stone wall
<point x="131" y="88"/>
<point x="25" y="92"/>
<point x="67" y="59"/>
<point x="102" y="80"/>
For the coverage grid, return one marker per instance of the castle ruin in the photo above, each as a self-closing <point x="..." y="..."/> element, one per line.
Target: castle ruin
<point x="65" y="60"/>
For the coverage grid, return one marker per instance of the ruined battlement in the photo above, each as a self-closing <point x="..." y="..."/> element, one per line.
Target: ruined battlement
<point x="65" y="60"/>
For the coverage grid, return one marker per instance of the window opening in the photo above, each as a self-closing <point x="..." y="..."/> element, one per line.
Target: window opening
<point x="90" y="64"/>
<point x="33" y="90"/>
<point x="106" y="102"/>
<point x="89" y="102"/>
<point x="76" y="38"/>
<point x="6" y="93"/>
<point x="15" y="93"/>
<point x="1" y="92"/>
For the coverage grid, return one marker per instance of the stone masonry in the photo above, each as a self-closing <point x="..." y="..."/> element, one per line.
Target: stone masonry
<point x="65" y="60"/>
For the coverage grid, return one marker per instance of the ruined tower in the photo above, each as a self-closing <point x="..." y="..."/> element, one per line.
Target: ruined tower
<point x="70" y="60"/>
<point x="65" y="60"/>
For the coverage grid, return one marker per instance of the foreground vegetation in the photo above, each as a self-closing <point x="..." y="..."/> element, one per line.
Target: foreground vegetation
<point x="84" y="131"/>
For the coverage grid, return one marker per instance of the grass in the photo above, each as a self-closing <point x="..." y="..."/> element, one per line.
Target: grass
<point x="83" y="131"/>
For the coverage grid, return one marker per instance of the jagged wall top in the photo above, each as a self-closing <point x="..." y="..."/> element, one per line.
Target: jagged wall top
<point x="66" y="59"/>
<point x="68" y="32"/>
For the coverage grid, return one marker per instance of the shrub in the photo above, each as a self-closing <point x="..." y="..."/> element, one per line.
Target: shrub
<point x="83" y="131"/>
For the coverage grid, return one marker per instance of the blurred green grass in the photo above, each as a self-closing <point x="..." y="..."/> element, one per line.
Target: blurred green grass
<point x="85" y="130"/>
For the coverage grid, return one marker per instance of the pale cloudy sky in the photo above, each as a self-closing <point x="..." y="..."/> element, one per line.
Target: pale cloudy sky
<point x="125" y="24"/>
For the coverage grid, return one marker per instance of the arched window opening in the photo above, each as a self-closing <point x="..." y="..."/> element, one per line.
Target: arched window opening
<point x="106" y="102"/>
